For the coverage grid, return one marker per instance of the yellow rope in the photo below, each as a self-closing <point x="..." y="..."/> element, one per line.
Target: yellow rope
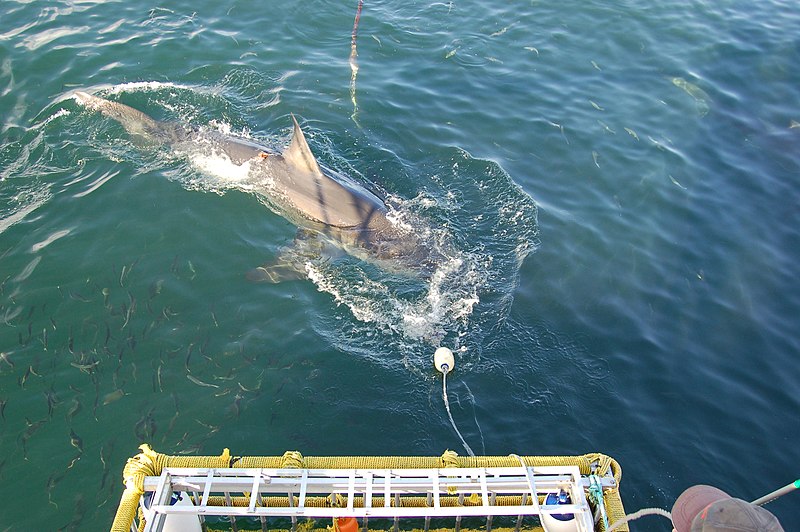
<point x="292" y="459"/>
<point x="449" y="459"/>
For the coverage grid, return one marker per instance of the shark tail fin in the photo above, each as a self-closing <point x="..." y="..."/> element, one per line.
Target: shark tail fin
<point x="298" y="154"/>
<point x="133" y="120"/>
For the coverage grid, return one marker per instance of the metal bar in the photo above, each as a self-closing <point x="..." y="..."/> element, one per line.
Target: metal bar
<point x="154" y="521"/>
<point x="769" y="497"/>
<point x="428" y="517"/>
<point x="196" y="501"/>
<point x="458" y="517"/>
<point x="397" y="517"/>
<point x="207" y="490"/>
<point x="436" y="490"/>
<point x="405" y="512"/>
<point x="500" y="475"/>
<point x="231" y="518"/>
<point x="516" y="485"/>
<point x="351" y="488"/>
<point x="422" y="473"/>
<point x="254" y="493"/>
<point x="303" y="488"/>
<point x="532" y="485"/>
<point x="368" y="491"/>
<point x="368" y="477"/>
<point x="607" y="481"/>
<point x="262" y="518"/>
<point x="519" y="517"/>
<point x="290" y="495"/>
<point x="492" y="500"/>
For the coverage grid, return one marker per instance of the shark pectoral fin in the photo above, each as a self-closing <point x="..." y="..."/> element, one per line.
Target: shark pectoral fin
<point x="291" y="262"/>
<point x="290" y="265"/>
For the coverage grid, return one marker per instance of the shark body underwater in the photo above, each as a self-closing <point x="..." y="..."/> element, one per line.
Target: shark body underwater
<point x="328" y="208"/>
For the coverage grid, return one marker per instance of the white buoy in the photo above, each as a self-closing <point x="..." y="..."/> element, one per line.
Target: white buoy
<point x="443" y="360"/>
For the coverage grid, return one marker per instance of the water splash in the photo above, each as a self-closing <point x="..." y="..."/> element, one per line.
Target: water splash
<point x="381" y="304"/>
<point x="474" y="214"/>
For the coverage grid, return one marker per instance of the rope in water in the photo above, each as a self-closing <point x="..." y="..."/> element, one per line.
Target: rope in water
<point x="354" y="60"/>
<point x="452" y="422"/>
<point x="641" y="513"/>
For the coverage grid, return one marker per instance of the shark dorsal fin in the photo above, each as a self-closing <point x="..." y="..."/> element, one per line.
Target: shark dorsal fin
<point x="298" y="153"/>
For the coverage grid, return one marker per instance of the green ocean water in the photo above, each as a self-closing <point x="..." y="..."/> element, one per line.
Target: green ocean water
<point x="617" y="185"/>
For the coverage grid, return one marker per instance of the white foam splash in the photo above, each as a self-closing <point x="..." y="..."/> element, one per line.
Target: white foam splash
<point x="220" y="166"/>
<point x="144" y="86"/>
<point x="226" y="129"/>
<point x="398" y="217"/>
<point x="218" y="172"/>
<point x="58" y="114"/>
<point x="450" y="296"/>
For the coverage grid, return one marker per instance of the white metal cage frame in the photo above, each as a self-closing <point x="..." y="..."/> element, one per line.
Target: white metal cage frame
<point x="372" y="493"/>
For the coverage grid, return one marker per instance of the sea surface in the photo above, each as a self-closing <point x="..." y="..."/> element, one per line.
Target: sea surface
<point x="615" y="187"/>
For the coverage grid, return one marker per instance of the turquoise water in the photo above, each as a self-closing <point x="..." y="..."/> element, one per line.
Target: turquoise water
<point x="617" y="187"/>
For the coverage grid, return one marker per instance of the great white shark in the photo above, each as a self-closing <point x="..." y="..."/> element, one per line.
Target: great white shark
<point x="328" y="207"/>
